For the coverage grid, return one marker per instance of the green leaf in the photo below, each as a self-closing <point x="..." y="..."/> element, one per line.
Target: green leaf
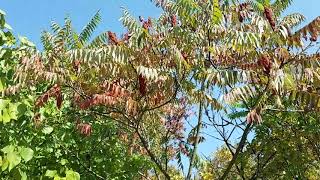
<point x="5" y="164"/>
<point x="289" y="82"/>
<point x="267" y="2"/>
<point x="2" y="85"/>
<point x="14" y="159"/>
<point x="71" y="175"/>
<point x="3" y="103"/>
<point x="217" y="14"/>
<point x="6" y="116"/>
<point x="47" y="130"/>
<point x="8" y="26"/>
<point x="23" y="175"/>
<point x="25" y="41"/>
<point x="2" y="53"/>
<point x="12" y="111"/>
<point x="260" y="6"/>
<point x="51" y="173"/>
<point x="239" y="114"/>
<point x="63" y="161"/>
<point x="26" y="154"/>
<point x="89" y="28"/>
<point x="8" y="149"/>
<point x="3" y="37"/>
<point x="21" y="109"/>
<point x="59" y="178"/>
<point x="7" y="113"/>
<point x="2" y="21"/>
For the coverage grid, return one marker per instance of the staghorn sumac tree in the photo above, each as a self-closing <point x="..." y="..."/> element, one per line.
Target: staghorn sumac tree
<point x="43" y="137"/>
<point x="110" y="79"/>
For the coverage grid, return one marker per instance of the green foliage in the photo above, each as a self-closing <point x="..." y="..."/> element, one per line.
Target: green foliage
<point x="13" y="156"/>
<point x="216" y="12"/>
<point x="8" y="111"/>
<point x="70" y="175"/>
<point x="89" y="28"/>
<point x="111" y="107"/>
<point x="281" y="5"/>
<point x="289" y="153"/>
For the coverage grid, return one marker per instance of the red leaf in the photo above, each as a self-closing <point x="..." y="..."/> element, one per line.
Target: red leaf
<point x="173" y="20"/>
<point x="142" y="85"/>
<point x="59" y="100"/>
<point x="113" y="38"/>
<point x="269" y="15"/>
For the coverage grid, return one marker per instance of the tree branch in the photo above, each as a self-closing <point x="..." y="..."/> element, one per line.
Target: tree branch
<point x="151" y="155"/>
<point x="238" y="150"/>
<point x="197" y="133"/>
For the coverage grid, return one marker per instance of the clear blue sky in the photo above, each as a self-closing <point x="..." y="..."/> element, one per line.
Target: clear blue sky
<point x="30" y="17"/>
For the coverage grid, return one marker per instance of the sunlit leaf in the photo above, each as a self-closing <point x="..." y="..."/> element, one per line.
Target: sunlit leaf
<point x="26" y="153"/>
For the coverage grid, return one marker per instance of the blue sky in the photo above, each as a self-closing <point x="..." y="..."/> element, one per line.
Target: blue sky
<point x="30" y="17"/>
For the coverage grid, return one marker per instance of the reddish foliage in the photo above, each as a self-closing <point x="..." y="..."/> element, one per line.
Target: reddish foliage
<point x="59" y="100"/>
<point x="112" y="94"/>
<point x="37" y="119"/>
<point x="76" y="98"/>
<point x="164" y="21"/>
<point x="243" y="6"/>
<point x="146" y="24"/>
<point x="97" y="99"/>
<point x="159" y="97"/>
<point x="42" y="100"/>
<point x="76" y="65"/>
<point x="103" y="99"/>
<point x="54" y="91"/>
<point x="126" y="37"/>
<point x="113" y="38"/>
<point x="149" y="21"/>
<point x="172" y="64"/>
<point x="114" y="90"/>
<point x="173" y="20"/>
<point x="86" y="103"/>
<point x="313" y="32"/>
<point x="241" y="16"/>
<point x="313" y="38"/>
<point x="131" y="107"/>
<point x="175" y="118"/>
<point x="254" y="116"/>
<point x="184" y="55"/>
<point x="142" y="85"/>
<point x="84" y="128"/>
<point x="265" y="63"/>
<point x="269" y="15"/>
